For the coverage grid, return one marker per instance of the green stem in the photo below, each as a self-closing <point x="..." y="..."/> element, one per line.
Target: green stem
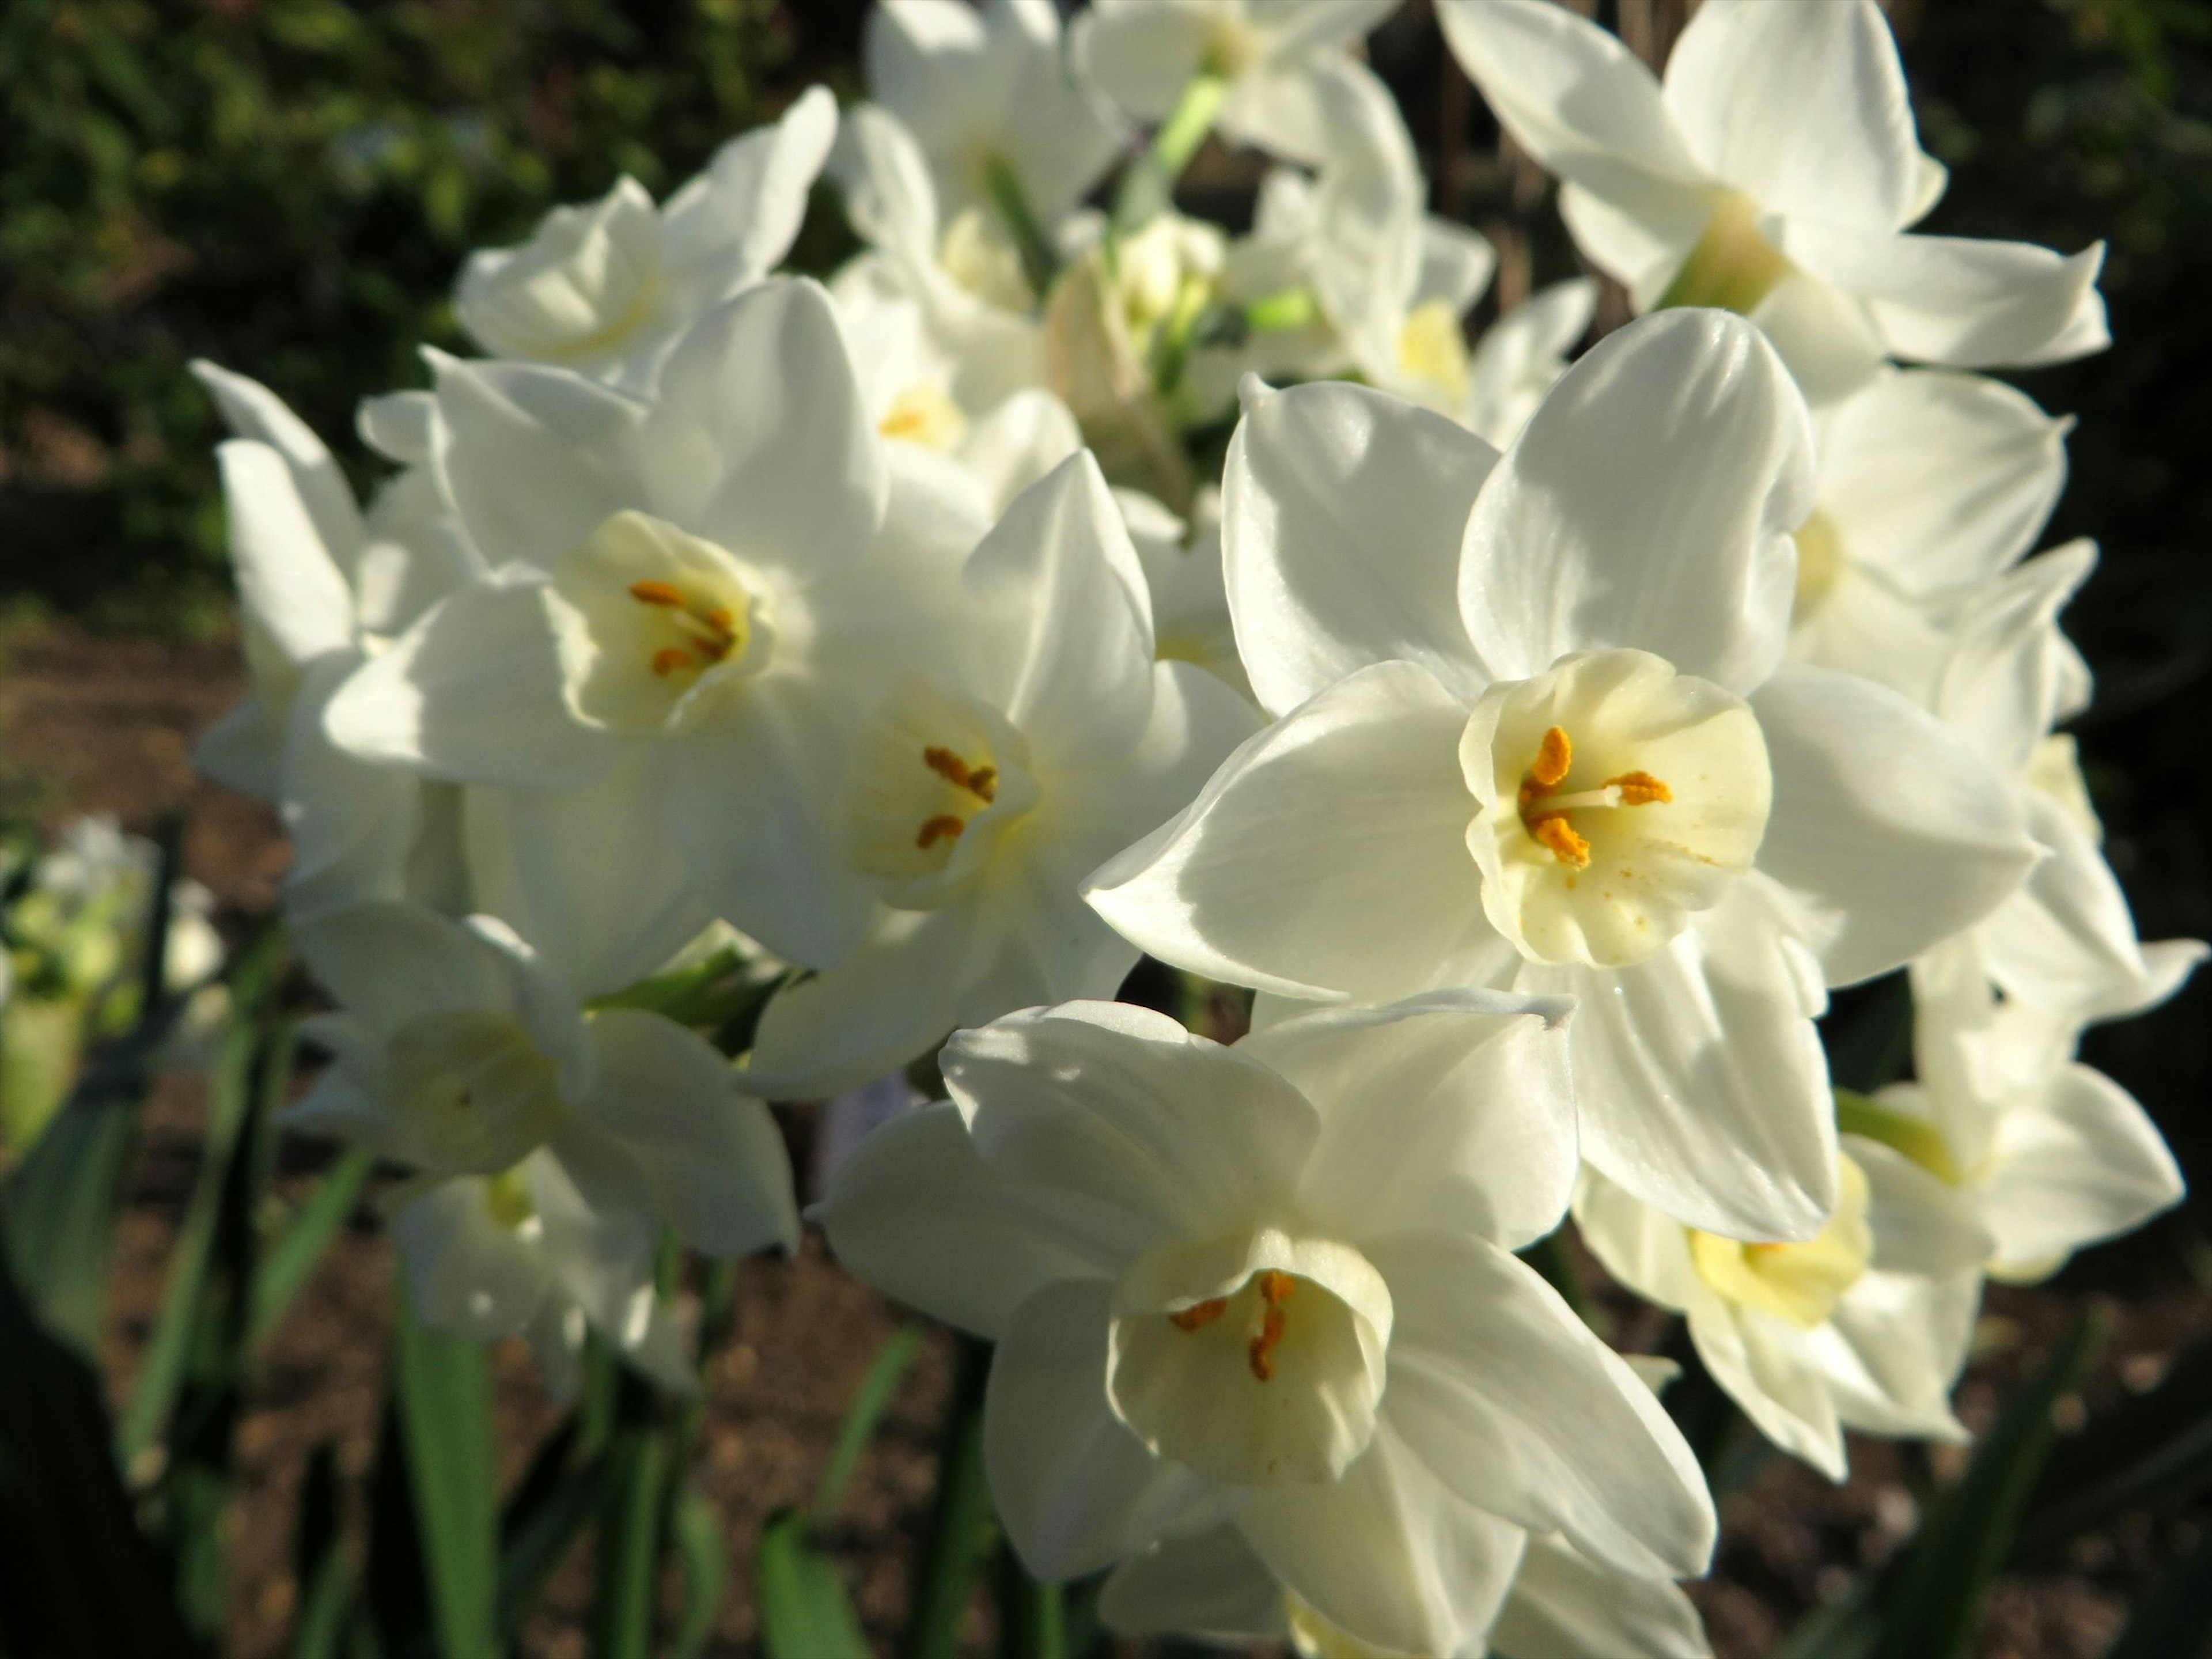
<point x="1284" y="312"/>
<point x="1187" y="124"/>
<point x="963" y="1531"/>
<point x="1039" y="263"/>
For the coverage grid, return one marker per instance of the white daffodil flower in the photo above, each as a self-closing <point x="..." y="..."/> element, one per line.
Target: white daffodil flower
<point x="729" y="576"/>
<point x="555" y="1143"/>
<point x="2054" y="1155"/>
<point x="1538" y="733"/>
<point x="1774" y="172"/>
<point x="2067" y="939"/>
<point x="1269" y="57"/>
<point x="1270" y="1287"/>
<point x="320" y="586"/>
<point x="1930" y="482"/>
<point x="605" y="287"/>
<point x="1521" y="356"/>
<point x="983" y="788"/>
<point x="989" y="94"/>
<point x="1212" y="1585"/>
<point x="1864" y="1326"/>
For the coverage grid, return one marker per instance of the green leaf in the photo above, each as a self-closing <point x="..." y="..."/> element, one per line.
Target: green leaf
<point x="551" y="1505"/>
<point x="804" y="1613"/>
<point x="963" y="1530"/>
<point x="704" y="1550"/>
<point x="1032" y="1616"/>
<point x="318" y="1561"/>
<point x="291" y="1260"/>
<point x="444" y="1397"/>
<point x="861" y="1416"/>
<point x="2175" y="1620"/>
<point x="629" y="1544"/>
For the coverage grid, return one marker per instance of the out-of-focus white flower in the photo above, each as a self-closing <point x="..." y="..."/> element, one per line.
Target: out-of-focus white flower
<point x="1521" y="356"/>
<point x="1269" y="59"/>
<point x="1929" y="483"/>
<point x="1537" y="734"/>
<point x="1776" y="171"/>
<point x="604" y="287"/>
<point x="1271" y="1286"/>
<point x="726" y="577"/>
<point x="1182" y="567"/>
<point x="558" y="1143"/>
<point x="2067" y="939"/>
<point x="1864" y="1326"/>
<point x="989" y="94"/>
<point x="2054" y="1155"/>
<point x="984" y="787"/>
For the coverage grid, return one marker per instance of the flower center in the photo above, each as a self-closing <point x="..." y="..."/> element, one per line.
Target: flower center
<point x="1432" y="351"/>
<point x="924" y="415"/>
<point x="476" y="1093"/>
<point x="1275" y="1288"/>
<point x="1800" y="1283"/>
<point x="1233" y="46"/>
<point x="506" y="1196"/>
<point x="1819" y="561"/>
<point x="974" y="783"/>
<point x="1545" y="808"/>
<point x="703" y="632"/>
<point x="1733" y="266"/>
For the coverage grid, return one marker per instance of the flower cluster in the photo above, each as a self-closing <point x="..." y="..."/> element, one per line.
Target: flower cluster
<point x="1542" y="744"/>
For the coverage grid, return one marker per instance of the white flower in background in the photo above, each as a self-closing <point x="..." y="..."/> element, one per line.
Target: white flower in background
<point x="1181" y="561"/>
<point x="554" y="1144"/>
<point x="604" y="288"/>
<point x="726" y="578"/>
<point x="1864" y="1326"/>
<point x="320" y="585"/>
<point x="1521" y="356"/>
<point x="982" y="790"/>
<point x="1929" y="483"/>
<point x="2067" y="939"/>
<point x="2054" y="1156"/>
<point x="989" y="94"/>
<point x="1270" y="1287"/>
<point x="1270" y="59"/>
<point x="1774" y="172"/>
<point x="1539" y="734"/>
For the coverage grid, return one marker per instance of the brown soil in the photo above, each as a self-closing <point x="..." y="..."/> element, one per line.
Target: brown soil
<point x="102" y="724"/>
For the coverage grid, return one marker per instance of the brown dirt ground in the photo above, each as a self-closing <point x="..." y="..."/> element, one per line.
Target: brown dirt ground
<point x="92" y="723"/>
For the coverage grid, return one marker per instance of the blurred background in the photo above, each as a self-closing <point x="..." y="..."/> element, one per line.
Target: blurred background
<point x="287" y="187"/>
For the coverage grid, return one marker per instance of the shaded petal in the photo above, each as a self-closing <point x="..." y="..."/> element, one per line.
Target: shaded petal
<point x="288" y="583"/>
<point x="1209" y="1584"/>
<point x="1327" y="858"/>
<point x="1342" y="510"/>
<point x="2084" y="1164"/>
<point x="1921" y="1223"/>
<point x="744" y="209"/>
<point x="384" y="964"/>
<point x="890" y="999"/>
<point x="465" y="1274"/>
<point x="1889" y="830"/>
<point x="252" y="412"/>
<point x="353" y="824"/>
<point x="1762" y="1365"/>
<point x="1894" y="1348"/>
<point x="1823" y="334"/>
<point x="1564" y="1604"/>
<point x="1707" y="453"/>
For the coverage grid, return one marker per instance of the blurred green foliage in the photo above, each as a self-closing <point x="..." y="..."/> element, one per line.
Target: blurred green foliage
<point x="287" y="187"/>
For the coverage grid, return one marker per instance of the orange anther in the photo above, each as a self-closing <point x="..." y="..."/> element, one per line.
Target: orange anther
<point x="1261" y="1353"/>
<point x="943" y="827"/>
<point x="1199" y="1315"/>
<point x="1555" y="758"/>
<point x="1276" y="1286"/>
<point x="1556" y="833"/>
<point x="670" y="658"/>
<point x="1639" y="789"/>
<point x="658" y="593"/>
<point x="722" y="621"/>
<point x="984" y="783"/>
<point x="946" y="764"/>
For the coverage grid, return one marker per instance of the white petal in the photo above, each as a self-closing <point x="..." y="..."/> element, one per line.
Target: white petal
<point x="759" y="440"/>
<point x="1076" y="1490"/>
<point x="915" y="1213"/>
<point x="1327" y="858"/>
<point x="1564" y="1604"/>
<point x="713" y="1159"/>
<point x="1449" y="1110"/>
<point x="1646" y="1248"/>
<point x="1342" y="509"/>
<point x="288" y="582"/>
<point x="472" y="693"/>
<point x="1140" y="55"/>
<point x="242" y="751"/>
<point x="744" y="211"/>
<point x="1122" y="1106"/>
<point x="1388" y="1553"/>
<point x="601" y="1235"/>
<point x="465" y="1274"/>
<point x="1762" y="1365"/>
<point x="1887" y="828"/>
<point x="400" y="426"/>
<point x="2011" y="674"/>
<point x="889" y="196"/>
<point x="1824" y="334"/>
<point x="387" y="963"/>
<point x="2067" y="938"/>
<point x="1208" y="1584"/>
<point x="889" y="1002"/>
<point x="353" y="824"/>
<point x="252" y="412"/>
<point x="1921" y="1223"/>
<point x="1706" y="449"/>
<point x="1894" y="1348"/>
<point x="1510" y="1400"/>
<point x="1802" y="108"/>
<point x="1703" y="1085"/>
<point x="2083" y="1164"/>
<point x="1641" y="240"/>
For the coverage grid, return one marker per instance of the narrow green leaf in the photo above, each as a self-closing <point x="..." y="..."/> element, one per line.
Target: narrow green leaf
<point x="291" y="1259"/>
<point x="1032" y="1616"/>
<point x="445" y="1418"/>
<point x="804" y="1613"/>
<point x="551" y="1507"/>
<point x="2175" y="1620"/>
<point x="629" y="1544"/>
<point x="963" y="1530"/>
<point x="869" y="1403"/>
<point x="704" y="1549"/>
<point x="1935" y="1596"/>
<point x="318" y="1562"/>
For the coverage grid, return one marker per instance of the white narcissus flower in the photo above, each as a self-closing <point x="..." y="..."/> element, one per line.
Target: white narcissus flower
<point x="1776" y="172"/>
<point x="728" y="577"/>
<point x="2054" y="1155"/>
<point x="985" y="787"/>
<point x="1270" y="57"/>
<point x="553" y="1144"/>
<point x="1521" y="356"/>
<point x="1930" y="482"/>
<point x="320" y="584"/>
<point x="1271" y="1286"/>
<point x="604" y="286"/>
<point x="1864" y="1326"/>
<point x="1535" y="733"/>
<point x="989" y="94"/>
<point x="2067" y="939"/>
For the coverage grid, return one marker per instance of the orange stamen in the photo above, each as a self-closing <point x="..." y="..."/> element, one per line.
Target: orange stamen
<point x="1199" y="1315"/>
<point x="670" y="658"/>
<point x="1557" y="834"/>
<point x="1275" y="1288"/>
<point x="982" y="782"/>
<point x="943" y="827"/>
<point x="1555" y="758"/>
<point x="1639" y="789"/>
<point x="663" y="593"/>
